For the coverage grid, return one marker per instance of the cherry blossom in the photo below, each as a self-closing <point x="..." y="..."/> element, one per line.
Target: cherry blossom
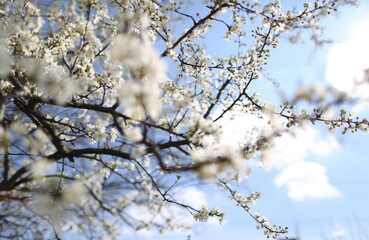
<point x="124" y="100"/>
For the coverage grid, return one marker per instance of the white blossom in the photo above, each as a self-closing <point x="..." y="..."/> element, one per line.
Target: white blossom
<point x="74" y="193"/>
<point x="113" y="134"/>
<point x="133" y="134"/>
<point x="5" y="60"/>
<point x="40" y="167"/>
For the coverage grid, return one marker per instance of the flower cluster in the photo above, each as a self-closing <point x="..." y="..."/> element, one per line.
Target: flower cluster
<point x="204" y="213"/>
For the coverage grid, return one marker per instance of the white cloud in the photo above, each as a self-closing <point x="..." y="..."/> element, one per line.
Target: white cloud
<point x="347" y="62"/>
<point x="289" y="155"/>
<point x="303" y="179"/>
<point x="338" y="233"/>
<point x="237" y="129"/>
<point x="291" y="148"/>
<point x="190" y="196"/>
<point x="306" y="180"/>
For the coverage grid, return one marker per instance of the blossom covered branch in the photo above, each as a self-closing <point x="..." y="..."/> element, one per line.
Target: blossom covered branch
<point x="109" y="106"/>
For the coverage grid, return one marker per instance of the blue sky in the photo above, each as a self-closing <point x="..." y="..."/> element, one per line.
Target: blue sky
<point x="335" y="204"/>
